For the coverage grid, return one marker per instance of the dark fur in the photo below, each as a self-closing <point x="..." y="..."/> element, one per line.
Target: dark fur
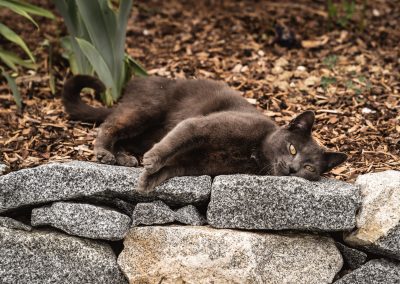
<point x="196" y="127"/>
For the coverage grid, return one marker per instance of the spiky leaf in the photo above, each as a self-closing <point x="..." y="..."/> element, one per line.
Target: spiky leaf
<point x="13" y="87"/>
<point x="13" y="37"/>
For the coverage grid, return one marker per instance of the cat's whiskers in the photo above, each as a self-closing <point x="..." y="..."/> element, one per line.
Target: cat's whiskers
<point x="266" y="169"/>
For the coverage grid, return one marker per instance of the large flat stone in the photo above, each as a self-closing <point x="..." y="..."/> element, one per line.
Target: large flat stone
<point x="376" y="271"/>
<point x="48" y="257"/>
<point x="74" y="180"/>
<point x="187" y="254"/>
<point x="277" y="203"/>
<point x="378" y="221"/>
<point x="84" y="220"/>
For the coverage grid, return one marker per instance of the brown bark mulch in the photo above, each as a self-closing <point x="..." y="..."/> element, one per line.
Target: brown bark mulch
<point x="348" y="75"/>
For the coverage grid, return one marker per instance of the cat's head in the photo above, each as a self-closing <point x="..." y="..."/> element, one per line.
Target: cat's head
<point x="291" y="150"/>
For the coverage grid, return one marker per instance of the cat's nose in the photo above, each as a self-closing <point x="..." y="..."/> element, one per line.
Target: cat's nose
<point x="291" y="170"/>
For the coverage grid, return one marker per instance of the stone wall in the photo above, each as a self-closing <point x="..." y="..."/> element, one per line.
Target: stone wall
<point x="83" y="222"/>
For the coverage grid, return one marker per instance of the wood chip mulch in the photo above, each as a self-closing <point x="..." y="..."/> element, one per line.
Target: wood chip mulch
<point x="350" y="76"/>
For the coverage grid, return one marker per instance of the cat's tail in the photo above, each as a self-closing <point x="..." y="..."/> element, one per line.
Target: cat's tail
<point x="73" y="104"/>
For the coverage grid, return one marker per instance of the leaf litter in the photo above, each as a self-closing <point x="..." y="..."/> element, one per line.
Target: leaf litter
<point x="349" y="76"/>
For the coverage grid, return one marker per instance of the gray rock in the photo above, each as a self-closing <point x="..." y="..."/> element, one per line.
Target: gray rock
<point x="73" y="180"/>
<point x="83" y="220"/>
<point x="49" y="257"/>
<point x="3" y="169"/>
<point x="13" y="224"/>
<point x="113" y="202"/>
<point x="376" y="271"/>
<point x="198" y="254"/>
<point x="277" y="203"/>
<point x="378" y="221"/>
<point x="353" y="258"/>
<point x="156" y="212"/>
<point x="189" y="215"/>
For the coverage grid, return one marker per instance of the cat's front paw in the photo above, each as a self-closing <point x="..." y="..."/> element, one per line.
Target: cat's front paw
<point x="126" y="160"/>
<point x="104" y="156"/>
<point x="152" y="162"/>
<point x="145" y="184"/>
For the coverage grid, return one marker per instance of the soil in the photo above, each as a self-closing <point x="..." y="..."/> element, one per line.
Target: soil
<point x="284" y="56"/>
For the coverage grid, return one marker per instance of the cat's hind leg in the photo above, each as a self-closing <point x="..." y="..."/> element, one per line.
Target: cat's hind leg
<point x="123" y="158"/>
<point x="124" y="122"/>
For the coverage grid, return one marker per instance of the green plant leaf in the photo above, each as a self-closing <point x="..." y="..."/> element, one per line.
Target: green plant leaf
<point x="13" y="37"/>
<point x="137" y="69"/>
<point x="68" y="53"/>
<point x="68" y="11"/>
<point x="349" y="84"/>
<point x="77" y="60"/>
<point x="76" y="28"/>
<point x="107" y="97"/>
<point x="72" y="52"/>
<point x="97" y="35"/>
<point x="99" y="66"/>
<point x="362" y="78"/>
<point x="52" y="78"/>
<point x="7" y="59"/>
<point x="18" y="10"/>
<point x="11" y="60"/>
<point x="326" y="81"/>
<point x="32" y="9"/>
<point x="99" y="26"/>
<point x="342" y="21"/>
<point x="13" y="87"/>
<point x="332" y="10"/>
<point x="330" y="61"/>
<point x="123" y="13"/>
<point x="349" y="8"/>
<point x="72" y="19"/>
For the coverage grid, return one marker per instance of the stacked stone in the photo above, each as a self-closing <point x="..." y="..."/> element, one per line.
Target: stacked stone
<point x="260" y="229"/>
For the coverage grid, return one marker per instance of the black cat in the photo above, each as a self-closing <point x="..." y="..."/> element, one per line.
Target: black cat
<point x="196" y="127"/>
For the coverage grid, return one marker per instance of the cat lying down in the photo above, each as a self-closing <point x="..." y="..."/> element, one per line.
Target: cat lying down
<point x="196" y="127"/>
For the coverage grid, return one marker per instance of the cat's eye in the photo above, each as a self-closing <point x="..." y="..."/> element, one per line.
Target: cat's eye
<point x="292" y="150"/>
<point x="309" y="168"/>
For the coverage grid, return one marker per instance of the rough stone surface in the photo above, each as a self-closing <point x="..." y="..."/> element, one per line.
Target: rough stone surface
<point x="3" y="169"/>
<point x="189" y="215"/>
<point x="378" y="221"/>
<point x="190" y="254"/>
<point x="156" y="212"/>
<point x="48" y="257"/>
<point x="353" y="258"/>
<point x="113" y="202"/>
<point x="13" y="224"/>
<point x="65" y="181"/>
<point x="83" y="220"/>
<point x="376" y="271"/>
<point x="276" y="203"/>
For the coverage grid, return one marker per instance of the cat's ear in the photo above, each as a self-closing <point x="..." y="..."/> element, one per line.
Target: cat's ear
<point x="303" y="122"/>
<point x="333" y="159"/>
